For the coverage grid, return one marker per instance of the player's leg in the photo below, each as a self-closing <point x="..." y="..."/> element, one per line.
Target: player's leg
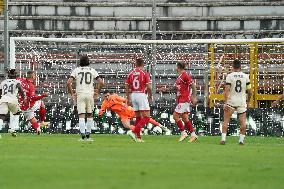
<point x="188" y="125"/>
<point x="81" y="107"/>
<point x="3" y="111"/>
<point x="30" y="116"/>
<point x="42" y="113"/>
<point x="144" y="108"/>
<point x="14" y="118"/>
<point x="145" y="118"/>
<point x="176" y="116"/>
<point x="90" y="120"/>
<point x="242" y="117"/>
<point x="228" y="111"/>
<point x="126" y="124"/>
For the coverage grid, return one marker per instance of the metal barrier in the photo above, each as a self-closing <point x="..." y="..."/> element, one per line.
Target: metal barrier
<point x="264" y="62"/>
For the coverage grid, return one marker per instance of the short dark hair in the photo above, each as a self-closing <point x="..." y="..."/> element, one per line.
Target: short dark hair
<point x="30" y="74"/>
<point x="237" y="64"/>
<point x="106" y="91"/>
<point x="139" y="62"/>
<point x="181" y="65"/>
<point x="84" y="61"/>
<point x="12" y="74"/>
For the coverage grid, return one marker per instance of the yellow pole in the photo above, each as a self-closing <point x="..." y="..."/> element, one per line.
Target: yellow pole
<point x="252" y="74"/>
<point x="212" y="75"/>
<point x="255" y="75"/>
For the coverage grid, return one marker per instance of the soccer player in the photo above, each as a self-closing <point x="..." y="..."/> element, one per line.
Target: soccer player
<point x="118" y="105"/>
<point x="33" y="103"/>
<point x="183" y="85"/>
<point x="276" y="102"/>
<point x="85" y="94"/>
<point x="9" y="90"/>
<point x="137" y="83"/>
<point x="237" y="84"/>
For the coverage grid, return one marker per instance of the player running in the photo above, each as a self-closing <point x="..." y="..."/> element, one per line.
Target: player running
<point x="85" y="94"/>
<point x="183" y="85"/>
<point x="118" y="105"/>
<point x="33" y="104"/>
<point x="237" y="84"/>
<point x="137" y="83"/>
<point x="9" y="90"/>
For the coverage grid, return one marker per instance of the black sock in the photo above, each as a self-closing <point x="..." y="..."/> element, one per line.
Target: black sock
<point x="88" y="135"/>
<point x="83" y="136"/>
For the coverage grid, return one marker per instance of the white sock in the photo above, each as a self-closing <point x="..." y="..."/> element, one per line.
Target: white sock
<point x="1" y="124"/>
<point x="14" y="122"/>
<point x="89" y="124"/>
<point x="82" y="125"/>
<point x="242" y="137"/>
<point x="183" y="133"/>
<point x="224" y="136"/>
<point x="193" y="134"/>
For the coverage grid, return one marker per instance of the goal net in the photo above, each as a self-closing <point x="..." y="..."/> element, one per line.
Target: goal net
<point x="208" y="60"/>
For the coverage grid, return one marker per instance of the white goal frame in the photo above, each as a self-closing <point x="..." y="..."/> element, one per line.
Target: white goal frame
<point x="12" y="62"/>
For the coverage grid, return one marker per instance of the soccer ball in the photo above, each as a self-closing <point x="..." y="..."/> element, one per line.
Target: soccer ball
<point x="157" y="130"/>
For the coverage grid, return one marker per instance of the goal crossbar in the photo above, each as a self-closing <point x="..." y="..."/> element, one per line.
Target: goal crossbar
<point x="133" y="41"/>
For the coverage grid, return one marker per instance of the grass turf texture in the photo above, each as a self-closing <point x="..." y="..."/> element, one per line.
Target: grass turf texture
<point x="112" y="161"/>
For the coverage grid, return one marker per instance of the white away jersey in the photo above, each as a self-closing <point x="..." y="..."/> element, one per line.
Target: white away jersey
<point x="9" y="91"/>
<point x="84" y="77"/>
<point x="239" y="82"/>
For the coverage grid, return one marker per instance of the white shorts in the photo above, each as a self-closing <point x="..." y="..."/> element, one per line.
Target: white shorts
<point x="5" y="107"/>
<point x="85" y="103"/>
<point x="239" y="109"/>
<point x="182" y="108"/>
<point x="30" y="113"/>
<point x="140" y="102"/>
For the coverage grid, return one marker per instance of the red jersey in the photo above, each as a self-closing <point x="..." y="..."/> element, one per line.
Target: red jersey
<point x="137" y="80"/>
<point x="183" y="83"/>
<point x="29" y="90"/>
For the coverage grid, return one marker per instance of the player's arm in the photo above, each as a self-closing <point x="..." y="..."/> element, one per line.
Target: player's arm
<point x="103" y="108"/>
<point x="69" y="85"/>
<point x="101" y="83"/>
<point x="21" y="91"/>
<point x="127" y="93"/>
<point x="193" y="94"/>
<point x="227" y="92"/>
<point x="149" y="91"/>
<point x="33" y="97"/>
<point x="276" y="102"/>
<point x="249" y="92"/>
<point x="167" y="89"/>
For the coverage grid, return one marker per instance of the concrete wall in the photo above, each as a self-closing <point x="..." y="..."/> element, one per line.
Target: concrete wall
<point x="135" y="15"/>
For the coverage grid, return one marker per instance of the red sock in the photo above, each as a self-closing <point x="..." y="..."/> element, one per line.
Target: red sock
<point x="155" y="123"/>
<point x="180" y="125"/>
<point x="140" y="125"/>
<point x="35" y="125"/>
<point x="42" y="113"/>
<point x="188" y="125"/>
<point x="137" y="120"/>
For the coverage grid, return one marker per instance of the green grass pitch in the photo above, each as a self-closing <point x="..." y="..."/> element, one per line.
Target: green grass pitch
<point x="113" y="161"/>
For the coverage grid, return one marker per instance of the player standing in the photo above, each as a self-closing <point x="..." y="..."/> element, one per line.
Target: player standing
<point x="33" y="102"/>
<point x="237" y="84"/>
<point x="183" y="85"/>
<point x="137" y="82"/>
<point x="85" y="94"/>
<point x="9" y="90"/>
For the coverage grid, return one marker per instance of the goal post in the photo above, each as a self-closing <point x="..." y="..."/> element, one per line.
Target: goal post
<point x="262" y="59"/>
